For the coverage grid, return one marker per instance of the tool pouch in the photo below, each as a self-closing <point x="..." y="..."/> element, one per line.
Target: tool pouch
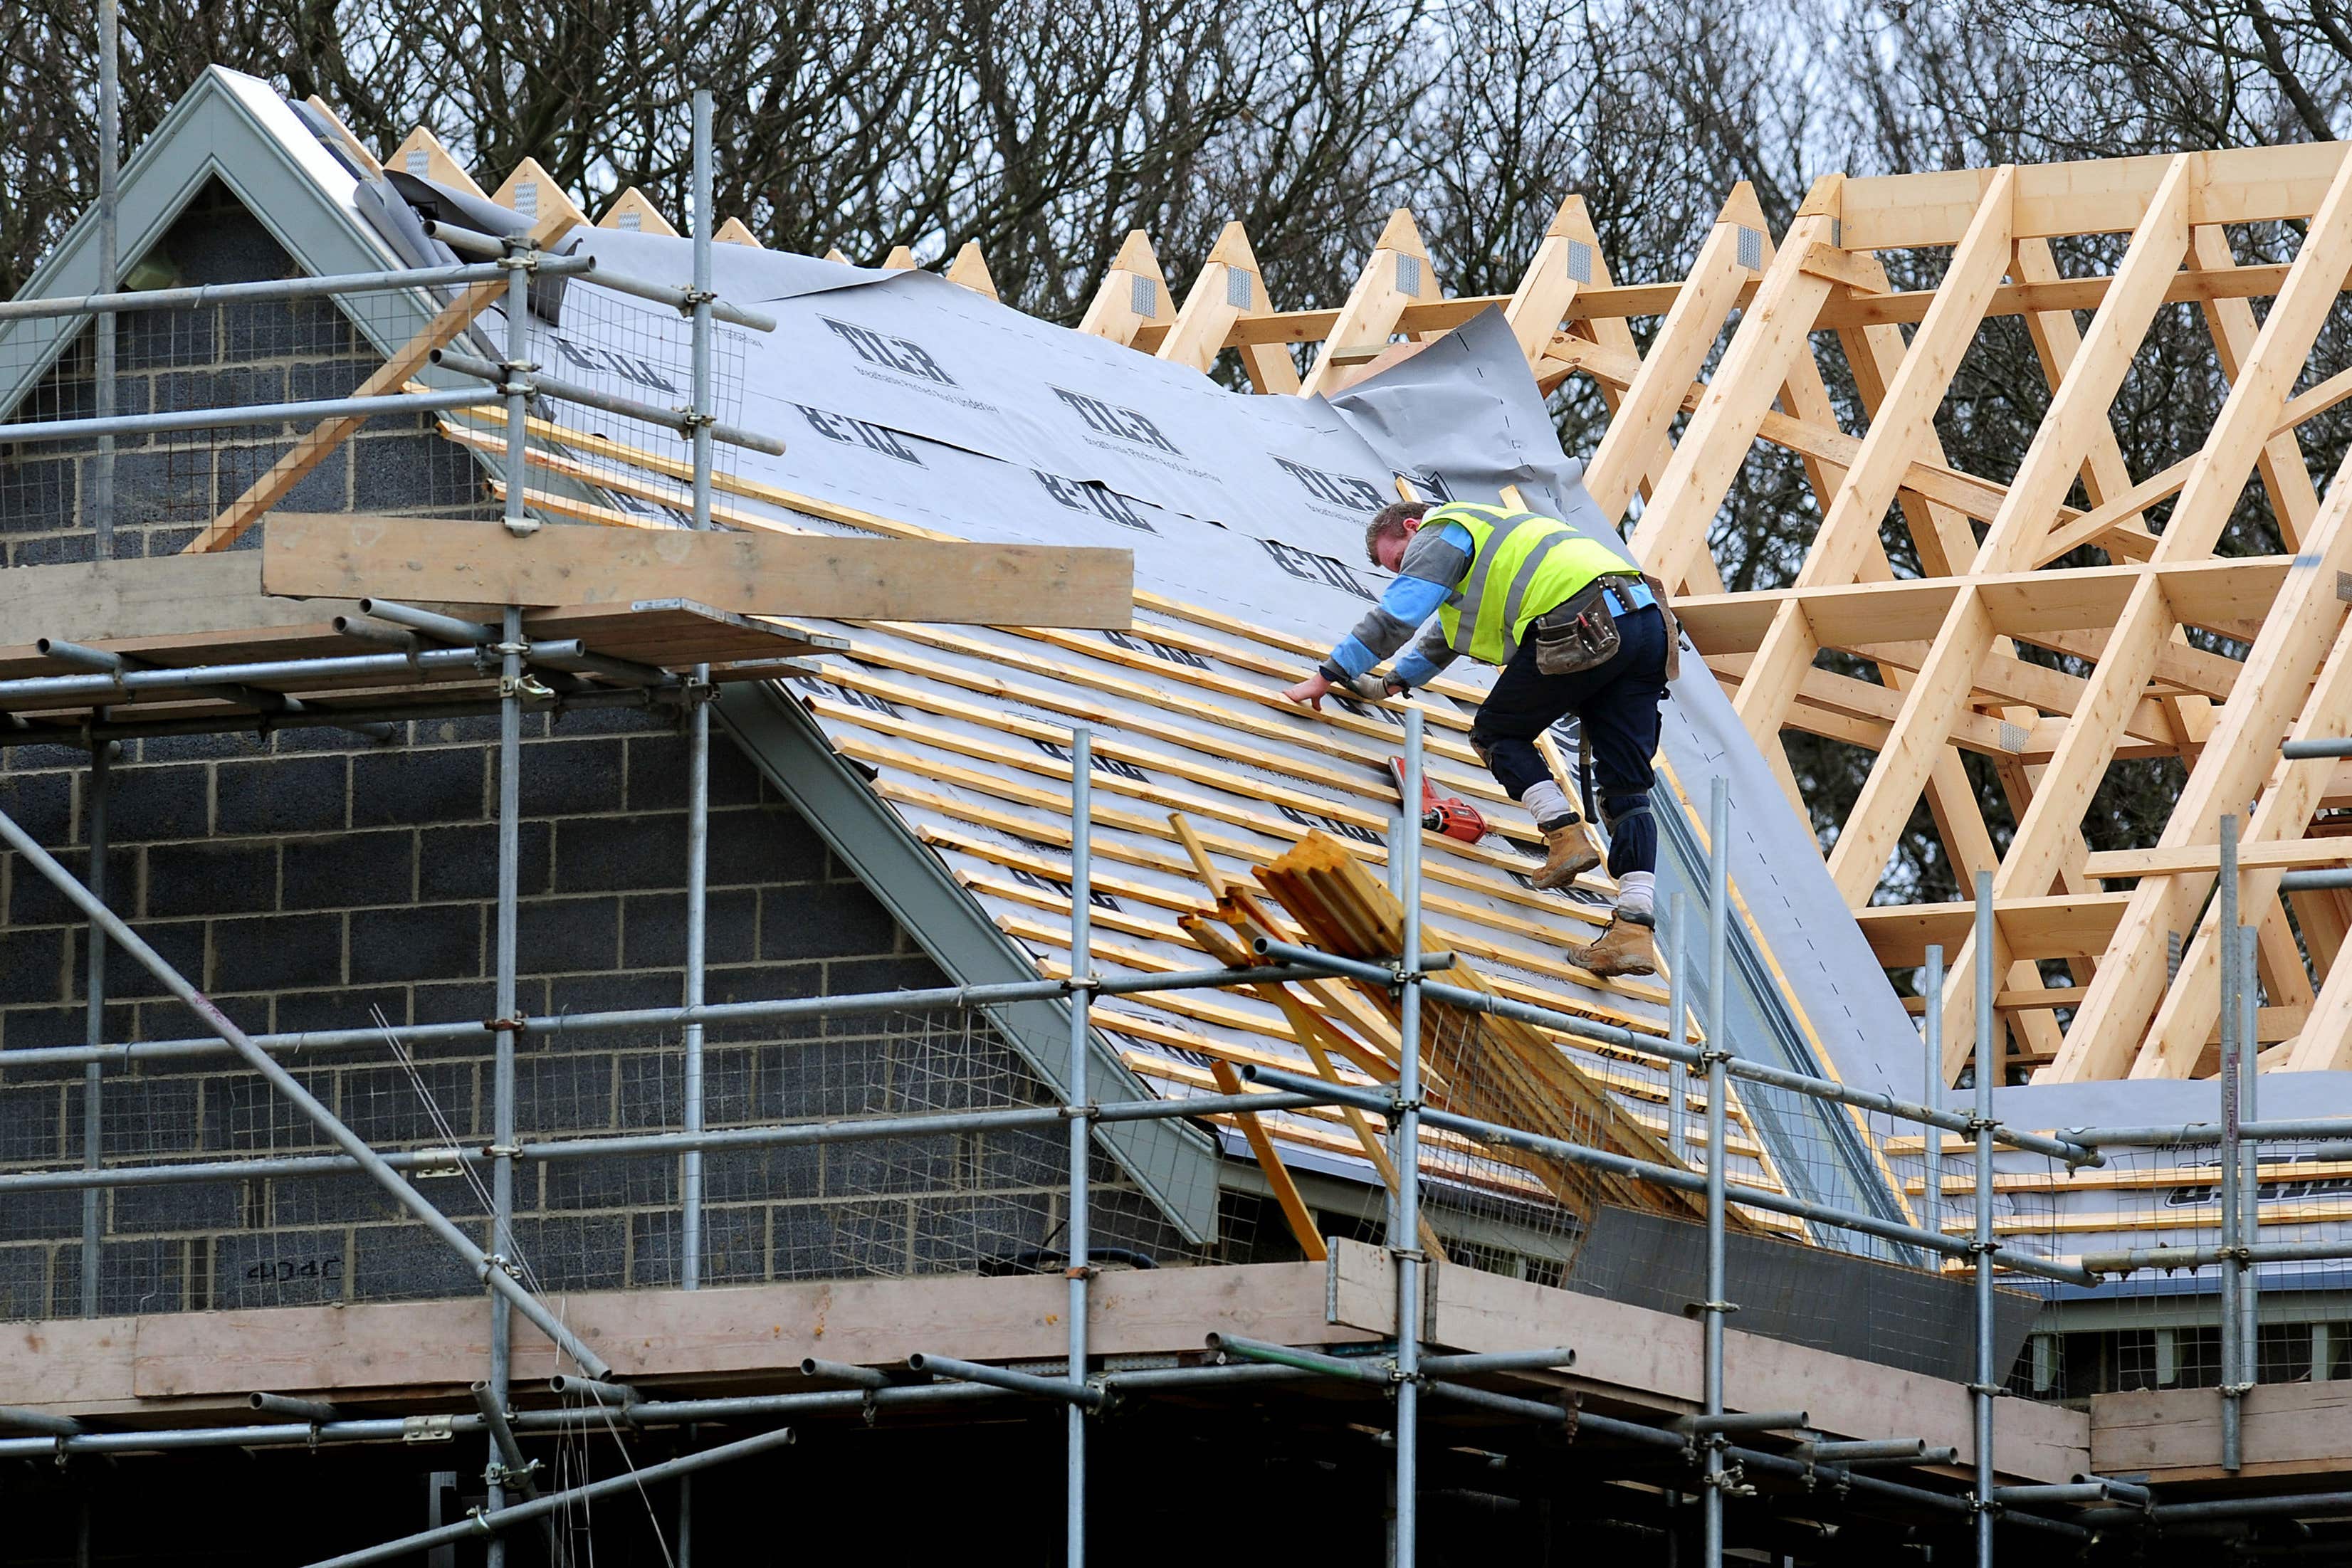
<point x="1577" y="633"/>
<point x="1673" y="627"/>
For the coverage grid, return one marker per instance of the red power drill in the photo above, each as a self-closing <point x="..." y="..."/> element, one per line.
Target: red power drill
<point x="1443" y="813"/>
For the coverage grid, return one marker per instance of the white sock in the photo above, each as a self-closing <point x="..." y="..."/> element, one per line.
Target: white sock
<point x="1637" y="896"/>
<point x="1548" y="803"/>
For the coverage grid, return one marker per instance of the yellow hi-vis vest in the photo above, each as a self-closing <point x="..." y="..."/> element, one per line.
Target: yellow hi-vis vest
<point x="1521" y="565"/>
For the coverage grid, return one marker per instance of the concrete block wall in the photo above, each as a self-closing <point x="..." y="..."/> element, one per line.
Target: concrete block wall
<point x="167" y="487"/>
<point x="312" y="882"/>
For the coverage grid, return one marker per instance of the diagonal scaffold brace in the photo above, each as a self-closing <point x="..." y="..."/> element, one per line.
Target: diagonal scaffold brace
<point x="491" y="1271"/>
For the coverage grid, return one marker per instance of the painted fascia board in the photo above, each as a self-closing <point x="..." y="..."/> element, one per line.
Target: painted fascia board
<point x="1176" y="1165"/>
<point x="235" y="129"/>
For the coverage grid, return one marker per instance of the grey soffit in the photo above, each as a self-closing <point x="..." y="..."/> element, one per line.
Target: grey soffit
<point x="1175" y="1163"/>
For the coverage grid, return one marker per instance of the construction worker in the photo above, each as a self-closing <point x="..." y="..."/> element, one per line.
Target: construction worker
<point x="1575" y="629"/>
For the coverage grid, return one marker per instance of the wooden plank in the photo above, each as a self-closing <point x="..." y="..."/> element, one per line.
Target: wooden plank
<point x="2286" y="479"/>
<point x="446" y="560"/>
<point x="970" y="271"/>
<point x="1548" y="288"/>
<point x="2107" y="195"/>
<point x="164" y="599"/>
<point x="1227" y="295"/>
<point x="1277" y="1176"/>
<point x="2172" y="1435"/>
<point x="2206" y="859"/>
<point x="359" y="150"/>
<point x="421" y="154"/>
<point x="1654" y="1359"/>
<point x="2029" y="605"/>
<point x="633" y="212"/>
<point x="753" y="1329"/>
<point x="533" y="192"/>
<point x="2064" y="927"/>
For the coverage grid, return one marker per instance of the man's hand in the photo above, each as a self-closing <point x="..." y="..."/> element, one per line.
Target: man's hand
<point x="1309" y="691"/>
<point x="1377" y="688"/>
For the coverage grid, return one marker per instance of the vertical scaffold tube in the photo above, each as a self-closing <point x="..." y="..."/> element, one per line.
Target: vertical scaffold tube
<point x="705" y="414"/>
<point x="1082" y="971"/>
<point x="1719" y="948"/>
<point x="93" y="1124"/>
<point x="1404" y="1241"/>
<point x="2232" y="1274"/>
<point x="1677" y="1009"/>
<point x="101" y="521"/>
<point x="518" y="472"/>
<point x="698" y="786"/>
<point x="1982" y="1394"/>
<point x="110" y="271"/>
<point x="2250" y="1152"/>
<point x="1931" y="1209"/>
<point x="504" y="1026"/>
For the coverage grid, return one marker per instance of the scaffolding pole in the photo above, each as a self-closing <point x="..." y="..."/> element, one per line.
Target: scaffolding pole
<point x="1982" y="1392"/>
<point x="1931" y="1039"/>
<point x="109" y="268"/>
<point x="1079" y="1242"/>
<point x="950" y="998"/>
<point x="93" y="1086"/>
<point x="697" y="783"/>
<point x="494" y="1522"/>
<point x="2250" y="1194"/>
<point x="1404" y="1233"/>
<point x="1718" y="1054"/>
<point x="2232" y="1270"/>
<point x="505" y="1026"/>
<point x="520" y="258"/>
<point x="1677" y="1010"/>
<point x="629" y="1144"/>
<point x="2069" y="1149"/>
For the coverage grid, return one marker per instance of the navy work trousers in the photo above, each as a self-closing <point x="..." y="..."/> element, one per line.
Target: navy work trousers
<point x="1617" y="704"/>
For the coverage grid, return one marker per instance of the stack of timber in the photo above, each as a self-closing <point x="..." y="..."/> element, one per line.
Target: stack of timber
<point x="1476" y="1064"/>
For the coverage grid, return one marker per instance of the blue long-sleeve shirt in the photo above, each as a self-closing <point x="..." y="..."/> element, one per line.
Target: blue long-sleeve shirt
<point x="1435" y="559"/>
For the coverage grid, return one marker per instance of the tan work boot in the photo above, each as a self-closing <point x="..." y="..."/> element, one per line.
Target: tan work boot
<point x="1570" y="855"/>
<point x="1624" y="949"/>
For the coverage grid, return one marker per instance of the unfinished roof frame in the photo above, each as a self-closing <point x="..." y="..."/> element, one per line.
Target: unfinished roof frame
<point x="1957" y="670"/>
<point x="1946" y="647"/>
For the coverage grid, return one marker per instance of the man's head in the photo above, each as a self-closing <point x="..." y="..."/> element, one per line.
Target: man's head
<point x="1385" y="535"/>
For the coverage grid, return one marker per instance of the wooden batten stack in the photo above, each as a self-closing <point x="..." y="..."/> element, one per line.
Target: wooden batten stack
<point x="1475" y="1064"/>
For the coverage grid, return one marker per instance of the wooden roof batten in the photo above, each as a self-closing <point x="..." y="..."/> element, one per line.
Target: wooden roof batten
<point x="1951" y="649"/>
